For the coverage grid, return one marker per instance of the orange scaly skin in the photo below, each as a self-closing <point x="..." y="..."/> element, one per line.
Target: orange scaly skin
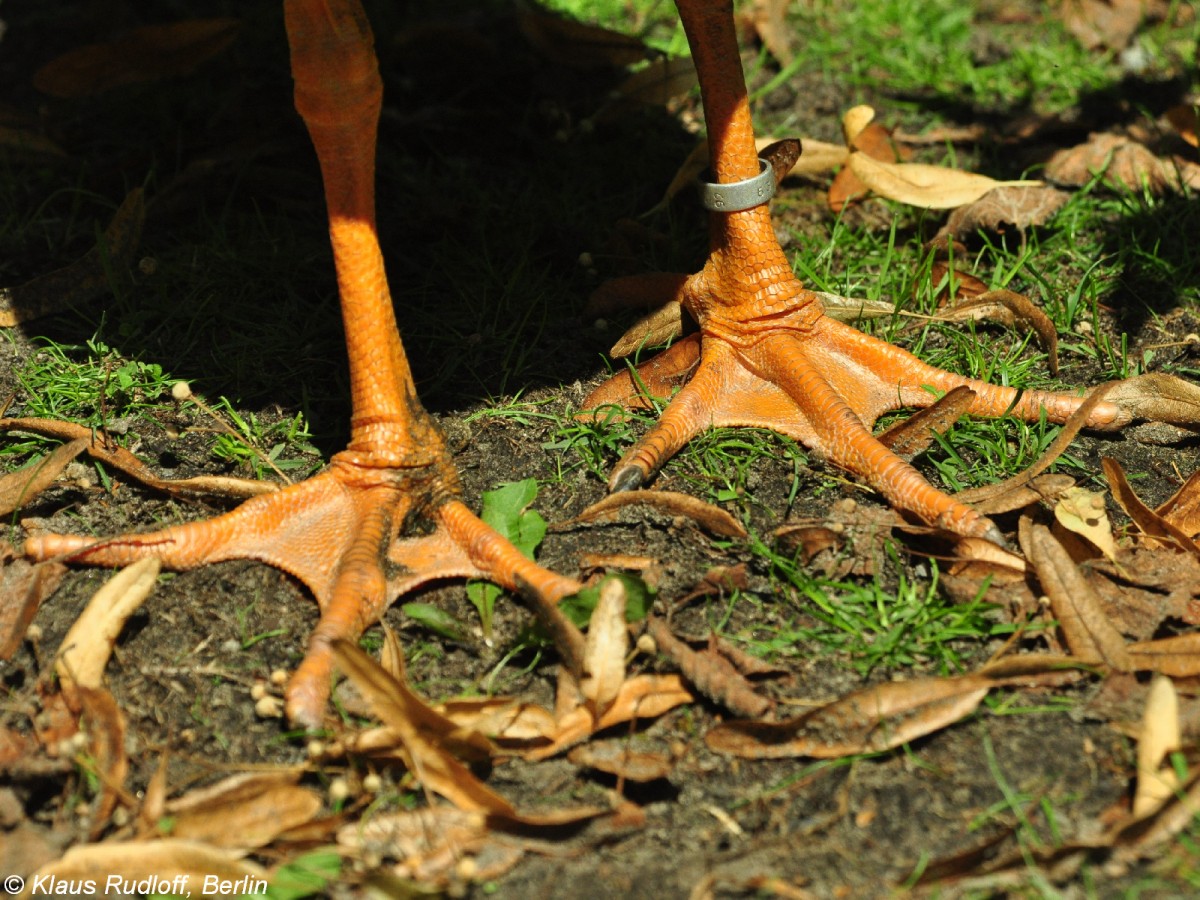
<point x="339" y="532"/>
<point x="766" y="354"/>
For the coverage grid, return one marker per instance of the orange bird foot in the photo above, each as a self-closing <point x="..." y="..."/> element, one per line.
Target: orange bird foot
<point x="342" y="533"/>
<point x="767" y="356"/>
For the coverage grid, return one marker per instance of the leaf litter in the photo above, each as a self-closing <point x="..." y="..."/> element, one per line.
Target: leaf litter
<point x="480" y="835"/>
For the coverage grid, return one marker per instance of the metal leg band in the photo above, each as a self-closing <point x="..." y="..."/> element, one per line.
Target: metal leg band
<point x="740" y="195"/>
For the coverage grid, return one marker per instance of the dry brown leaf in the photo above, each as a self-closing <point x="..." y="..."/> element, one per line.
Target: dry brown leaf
<point x="1042" y="488"/>
<point x="85" y="279"/>
<point x="501" y="719"/>
<point x="648" y="290"/>
<point x="568" y="42"/>
<point x="868" y="721"/>
<point x="616" y="758"/>
<point x="87" y="646"/>
<point x="1159" y="736"/>
<point x="23" y="587"/>
<point x="145" y="54"/>
<point x="922" y="185"/>
<point x="862" y="135"/>
<point x="914" y="435"/>
<point x="1083" y="512"/>
<point x="660" y="82"/>
<point x="124" y="461"/>
<point x="1122" y="161"/>
<point x="1150" y="523"/>
<point x="605" y="647"/>
<point x="1011" y="308"/>
<point x="164" y="862"/>
<point x="712" y="673"/>
<point x="19" y="487"/>
<point x="766" y="17"/>
<point x="243" y="811"/>
<point x="410" y="718"/>
<point x="653" y="330"/>
<point x="1103" y="23"/>
<point x="101" y="720"/>
<point x="994" y="493"/>
<point x="1019" y="207"/>
<point x="1157" y="398"/>
<point x="711" y="518"/>
<point x="641" y="697"/>
<point x="1182" y="509"/>
<point x="1178" y="657"/>
<point x="1088" y="631"/>
<point x="1183" y="120"/>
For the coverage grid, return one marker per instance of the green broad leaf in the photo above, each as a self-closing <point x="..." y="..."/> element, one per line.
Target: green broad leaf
<point x="305" y="876"/>
<point x="507" y="510"/>
<point x="639" y="598"/>
<point x="436" y="620"/>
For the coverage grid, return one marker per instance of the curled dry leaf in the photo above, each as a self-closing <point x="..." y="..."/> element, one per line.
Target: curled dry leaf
<point x="19" y="487"/>
<point x="1122" y="161"/>
<point x="914" y="435"/>
<point x="1182" y="509"/>
<point x="422" y="746"/>
<point x="1158" y="398"/>
<point x="1183" y="120"/>
<point x="605" y="647"/>
<point x="924" y="186"/>
<point x="711" y="518"/>
<point x="658" y="83"/>
<point x="501" y="718"/>
<point x="1150" y="523"/>
<point x="244" y="811"/>
<point x="1020" y="207"/>
<point x="85" y="279"/>
<point x="160" y="861"/>
<point x="1011" y="308"/>
<point x="766" y="17"/>
<point x="995" y="493"/>
<point x="712" y="673"/>
<point x="144" y="54"/>
<point x="1083" y="512"/>
<point x="124" y="461"/>
<point x="101" y="720"/>
<point x="616" y="758"/>
<point x="652" y="330"/>
<point x="1086" y="627"/>
<point x="86" y="648"/>
<point x="642" y="697"/>
<point x="23" y="587"/>
<point x="1102" y="23"/>
<point x="1178" y="657"/>
<point x="1042" y="488"/>
<point x="862" y="136"/>
<point x="875" y="719"/>
<point x="1159" y="735"/>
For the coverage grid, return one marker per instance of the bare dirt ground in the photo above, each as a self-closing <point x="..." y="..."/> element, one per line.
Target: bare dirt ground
<point x="486" y="168"/>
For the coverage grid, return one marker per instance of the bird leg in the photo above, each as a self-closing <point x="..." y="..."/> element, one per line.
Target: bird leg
<point x="347" y="533"/>
<point x="767" y="356"/>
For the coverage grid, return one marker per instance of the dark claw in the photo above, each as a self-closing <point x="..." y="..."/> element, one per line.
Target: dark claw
<point x="628" y="479"/>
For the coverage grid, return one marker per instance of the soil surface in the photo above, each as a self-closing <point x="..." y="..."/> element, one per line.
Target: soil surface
<point x="498" y="168"/>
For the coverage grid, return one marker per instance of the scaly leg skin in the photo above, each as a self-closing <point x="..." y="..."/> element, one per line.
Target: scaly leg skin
<point x="766" y="354"/>
<point x="339" y="532"/>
